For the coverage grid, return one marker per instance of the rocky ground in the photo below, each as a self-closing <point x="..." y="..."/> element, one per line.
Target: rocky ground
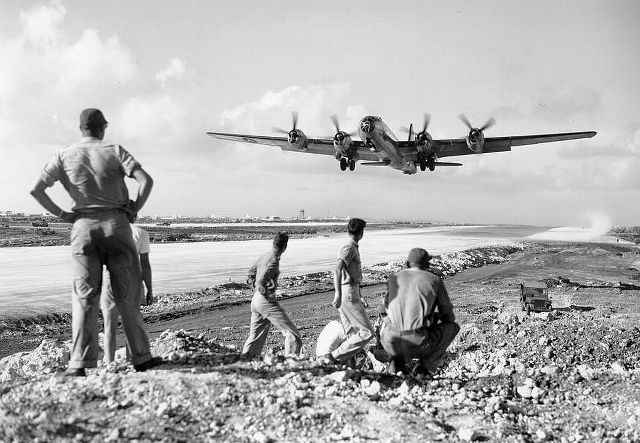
<point x="567" y="375"/>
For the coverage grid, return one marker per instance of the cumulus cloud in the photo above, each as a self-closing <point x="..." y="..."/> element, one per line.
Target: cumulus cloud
<point x="314" y="103"/>
<point x="41" y="23"/>
<point x="45" y="74"/>
<point x="173" y="71"/>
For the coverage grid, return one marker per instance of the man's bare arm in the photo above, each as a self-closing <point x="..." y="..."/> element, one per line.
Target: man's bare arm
<point x="146" y="276"/>
<point x="39" y="192"/>
<point x="144" y="190"/>
<point x="337" y="283"/>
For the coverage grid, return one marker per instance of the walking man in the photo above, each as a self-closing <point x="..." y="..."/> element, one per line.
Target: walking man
<point x="265" y="310"/>
<point x="107" y="302"/>
<point x="347" y="279"/>
<point x="412" y="328"/>
<point x="92" y="172"/>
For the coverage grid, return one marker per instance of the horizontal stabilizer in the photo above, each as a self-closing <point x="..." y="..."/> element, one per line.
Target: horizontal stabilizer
<point x="375" y="163"/>
<point x="447" y="164"/>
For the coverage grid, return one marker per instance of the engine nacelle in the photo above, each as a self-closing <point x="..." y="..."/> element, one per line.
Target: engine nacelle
<point x="297" y="139"/>
<point x="342" y="145"/>
<point x="475" y="141"/>
<point x="424" y="142"/>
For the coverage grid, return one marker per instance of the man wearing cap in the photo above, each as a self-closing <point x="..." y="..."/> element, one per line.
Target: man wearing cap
<point x="92" y="172"/>
<point x="412" y="328"/>
<point x="347" y="279"/>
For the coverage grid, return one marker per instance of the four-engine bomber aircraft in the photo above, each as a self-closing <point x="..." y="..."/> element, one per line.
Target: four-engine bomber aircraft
<point x="378" y="146"/>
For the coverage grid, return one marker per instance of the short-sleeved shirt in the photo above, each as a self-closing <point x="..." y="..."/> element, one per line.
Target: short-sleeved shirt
<point x="92" y="172"/>
<point x="412" y="298"/>
<point x="352" y="270"/>
<point x="141" y="239"/>
<point x="265" y="273"/>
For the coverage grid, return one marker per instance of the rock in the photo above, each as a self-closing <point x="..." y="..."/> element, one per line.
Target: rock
<point x="403" y="390"/>
<point x="536" y="392"/>
<point x="162" y="409"/>
<point x="49" y="356"/>
<point x="260" y="437"/>
<point x="617" y="367"/>
<point x="586" y="372"/>
<point x="468" y="434"/>
<point x="524" y="391"/>
<point x="372" y="389"/>
<point x="338" y="376"/>
<point x="541" y="435"/>
<point x="550" y="370"/>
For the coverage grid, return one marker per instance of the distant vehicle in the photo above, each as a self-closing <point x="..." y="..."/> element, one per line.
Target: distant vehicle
<point x="39" y="224"/>
<point x="534" y="298"/>
<point x="164" y="223"/>
<point x="379" y="146"/>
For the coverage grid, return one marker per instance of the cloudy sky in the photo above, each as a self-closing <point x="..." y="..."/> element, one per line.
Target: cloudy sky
<point x="165" y="72"/>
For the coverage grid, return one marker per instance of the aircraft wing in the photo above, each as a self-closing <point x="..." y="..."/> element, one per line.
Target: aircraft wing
<point x="458" y="146"/>
<point x="323" y="146"/>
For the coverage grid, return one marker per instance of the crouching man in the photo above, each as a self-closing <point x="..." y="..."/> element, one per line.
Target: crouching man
<point x="265" y="310"/>
<point x="412" y="328"/>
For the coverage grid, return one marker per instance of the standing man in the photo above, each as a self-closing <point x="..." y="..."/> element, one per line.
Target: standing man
<point x="265" y="310"/>
<point x="92" y="172"/>
<point x="412" y="329"/>
<point x="347" y="279"/>
<point x="107" y="302"/>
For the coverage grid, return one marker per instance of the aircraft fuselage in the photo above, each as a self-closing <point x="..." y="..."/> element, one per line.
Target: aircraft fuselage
<point x="380" y="139"/>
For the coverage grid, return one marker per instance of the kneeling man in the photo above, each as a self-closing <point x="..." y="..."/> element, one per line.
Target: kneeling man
<point x="411" y="327"/>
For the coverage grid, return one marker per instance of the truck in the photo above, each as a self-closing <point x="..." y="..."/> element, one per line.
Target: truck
<point x="534" y="298"/>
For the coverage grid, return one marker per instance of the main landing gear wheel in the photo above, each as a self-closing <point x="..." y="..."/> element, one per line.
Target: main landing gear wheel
<point x="431" y="164"/>
<point x="343" y="164"/>
<point x="352" y="165"/>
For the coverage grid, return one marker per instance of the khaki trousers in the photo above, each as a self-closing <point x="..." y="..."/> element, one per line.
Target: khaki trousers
<point x="104" y="238"/>
<point x="110" y="316"/>
<point x="355" y="322"/>
<point x="264" y="313"/>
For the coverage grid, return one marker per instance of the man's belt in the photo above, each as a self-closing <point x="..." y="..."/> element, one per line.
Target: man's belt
<point x="420" y="331"/>
<point x="93" y="211"/>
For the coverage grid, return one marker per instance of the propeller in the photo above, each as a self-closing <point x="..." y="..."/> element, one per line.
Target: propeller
<point x="294" y="124"/>
<point x="425" y="126"/>
<point x="426" y="120"/>
<point x="487" y="125"/>
<point x="336" y="124"/>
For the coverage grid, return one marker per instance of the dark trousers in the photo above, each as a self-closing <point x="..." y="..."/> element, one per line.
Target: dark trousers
<point x="428" y="346"/>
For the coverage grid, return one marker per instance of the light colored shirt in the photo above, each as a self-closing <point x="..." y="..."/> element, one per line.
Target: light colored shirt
<point x="352" y="270"/>
<point x="141" y="239"/>
<point x="265" y="273"/>
<point x="412" y="298"/>
<point x="92" y="172"/>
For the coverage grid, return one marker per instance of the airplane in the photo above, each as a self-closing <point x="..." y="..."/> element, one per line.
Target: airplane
<point x="378" y="145"/>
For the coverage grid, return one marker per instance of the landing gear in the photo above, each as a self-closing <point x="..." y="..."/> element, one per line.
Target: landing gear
<point x="426" y="162"/>
<point x="347" y="163"/>
<point x="431" y="163"/>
